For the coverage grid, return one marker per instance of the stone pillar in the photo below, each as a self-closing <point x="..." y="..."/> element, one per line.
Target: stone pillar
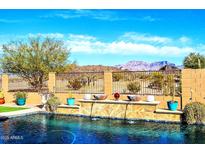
<point x="5" y="86"/>
<point x="193" y="85"/>
<point x="108" y="83"/>
<point x="5" y="83"/>
<point x="51" y="82"/>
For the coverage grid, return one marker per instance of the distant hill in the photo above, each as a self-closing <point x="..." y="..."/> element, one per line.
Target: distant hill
<point x="143" y="66"/>
<point x="130" y="66"/>
<point x="95" y="68"/>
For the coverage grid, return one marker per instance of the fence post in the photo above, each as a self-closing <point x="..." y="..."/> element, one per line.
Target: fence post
<point x="5" y="83"/>
<point x="108" y="83"/>
<point x="5" y="86"/>
<point x="51" y="82"/>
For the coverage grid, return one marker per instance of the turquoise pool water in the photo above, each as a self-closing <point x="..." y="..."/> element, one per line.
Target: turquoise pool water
<point x="42" y="128"/>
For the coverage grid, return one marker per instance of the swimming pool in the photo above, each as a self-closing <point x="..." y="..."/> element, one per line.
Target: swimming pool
<point x="45" y="128"/>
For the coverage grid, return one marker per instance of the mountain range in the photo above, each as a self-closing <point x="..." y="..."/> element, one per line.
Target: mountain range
<point x="144" y="66"/>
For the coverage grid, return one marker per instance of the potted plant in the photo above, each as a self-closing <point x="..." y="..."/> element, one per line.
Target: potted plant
<point x="2" y="100"/>
<point x="70" y="99"/>
<point x="21" y="98"/>
<point x="52" y="104"/>
<point x="172" y="105"/>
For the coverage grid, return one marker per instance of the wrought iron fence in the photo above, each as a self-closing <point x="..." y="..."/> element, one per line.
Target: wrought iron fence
<point x="147" y="82"/>
<point x="17" y="83"/>
<point x="80" y="82"/>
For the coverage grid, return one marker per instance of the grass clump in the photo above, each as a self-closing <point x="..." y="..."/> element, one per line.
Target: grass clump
<point x="194" y="113"/>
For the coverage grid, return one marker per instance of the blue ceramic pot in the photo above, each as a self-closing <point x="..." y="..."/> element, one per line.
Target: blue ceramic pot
<point x="172" y="105"/>
<point x="21" y="101"/>
<point x="70" y="101"/>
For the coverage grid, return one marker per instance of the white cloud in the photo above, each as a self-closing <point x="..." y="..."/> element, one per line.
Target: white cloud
<point x="127" y="44"/>
<point x="149" y="18"/>
<point x="77" y="37"/>
<point x="123" y="47"/>
<point x="106" y="15"/>
<point x="52" y="35"/>
<point x="138" y="37"/>
<point x="93" y="14"/>
<point x="184" y="39"/>
<point x="9" y="21"/>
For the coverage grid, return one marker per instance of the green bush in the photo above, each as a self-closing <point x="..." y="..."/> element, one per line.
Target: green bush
<point x="52" y="104"/>
<point x="194" y="113"/>
<point x="134" y="87"/>
<point x="20" y="95"/>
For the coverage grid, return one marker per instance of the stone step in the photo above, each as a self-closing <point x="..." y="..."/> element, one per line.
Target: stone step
<point x="166" y="111"/>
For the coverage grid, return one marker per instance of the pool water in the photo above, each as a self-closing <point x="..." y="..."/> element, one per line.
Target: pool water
<point x="44" y="128"/>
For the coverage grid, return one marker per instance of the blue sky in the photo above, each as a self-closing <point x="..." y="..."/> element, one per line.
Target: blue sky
<point x="111" y="37"/>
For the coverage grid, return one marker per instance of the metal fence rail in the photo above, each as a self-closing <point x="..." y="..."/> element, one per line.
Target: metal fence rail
<point x="147" y="82"/>
<point x="17" y="83"/>
<point x="80" y="82"/>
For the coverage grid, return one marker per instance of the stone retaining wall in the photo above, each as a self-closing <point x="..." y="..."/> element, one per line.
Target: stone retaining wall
<point x="121" y="111"/>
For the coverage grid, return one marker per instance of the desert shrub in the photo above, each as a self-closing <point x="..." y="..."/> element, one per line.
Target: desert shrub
<point x="168" y="85"/>
<point x="156" y="80"/>
<point x="52" y="104"/>
<point x="194" y="113"/>
<point x="134" y="87"/>
<point x="143" y="76"/>
<point x="75" y="84"/>
<point x="117" y="77"/>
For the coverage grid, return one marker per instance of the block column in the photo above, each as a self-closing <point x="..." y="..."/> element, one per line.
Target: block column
<point x="5" y="83"/>
<point x="108" y="83"/>
<point x="193" y="86"/>
<point x="51" y="82"/>
<point x="5" y="86"/>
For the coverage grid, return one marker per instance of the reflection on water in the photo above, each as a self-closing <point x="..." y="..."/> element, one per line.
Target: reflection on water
<point x="65" y="129"/>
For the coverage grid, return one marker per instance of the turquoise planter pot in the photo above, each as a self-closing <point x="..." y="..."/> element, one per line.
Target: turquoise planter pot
<point x="172" y="105"/>
<point x="71" y="101"/>
<point x="21" y="101"/>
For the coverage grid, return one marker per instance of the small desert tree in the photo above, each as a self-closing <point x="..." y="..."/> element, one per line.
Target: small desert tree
<point x="34" y="58"/>
<point x="194" y="61"/>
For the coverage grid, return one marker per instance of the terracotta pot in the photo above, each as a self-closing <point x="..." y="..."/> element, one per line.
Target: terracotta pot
<point x="2" y="100"/>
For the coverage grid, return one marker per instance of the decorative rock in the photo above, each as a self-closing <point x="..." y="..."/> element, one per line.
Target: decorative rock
<point x="3" y="118"/>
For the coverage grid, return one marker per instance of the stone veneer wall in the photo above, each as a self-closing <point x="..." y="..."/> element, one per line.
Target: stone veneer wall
<point x="121" y="111"/>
